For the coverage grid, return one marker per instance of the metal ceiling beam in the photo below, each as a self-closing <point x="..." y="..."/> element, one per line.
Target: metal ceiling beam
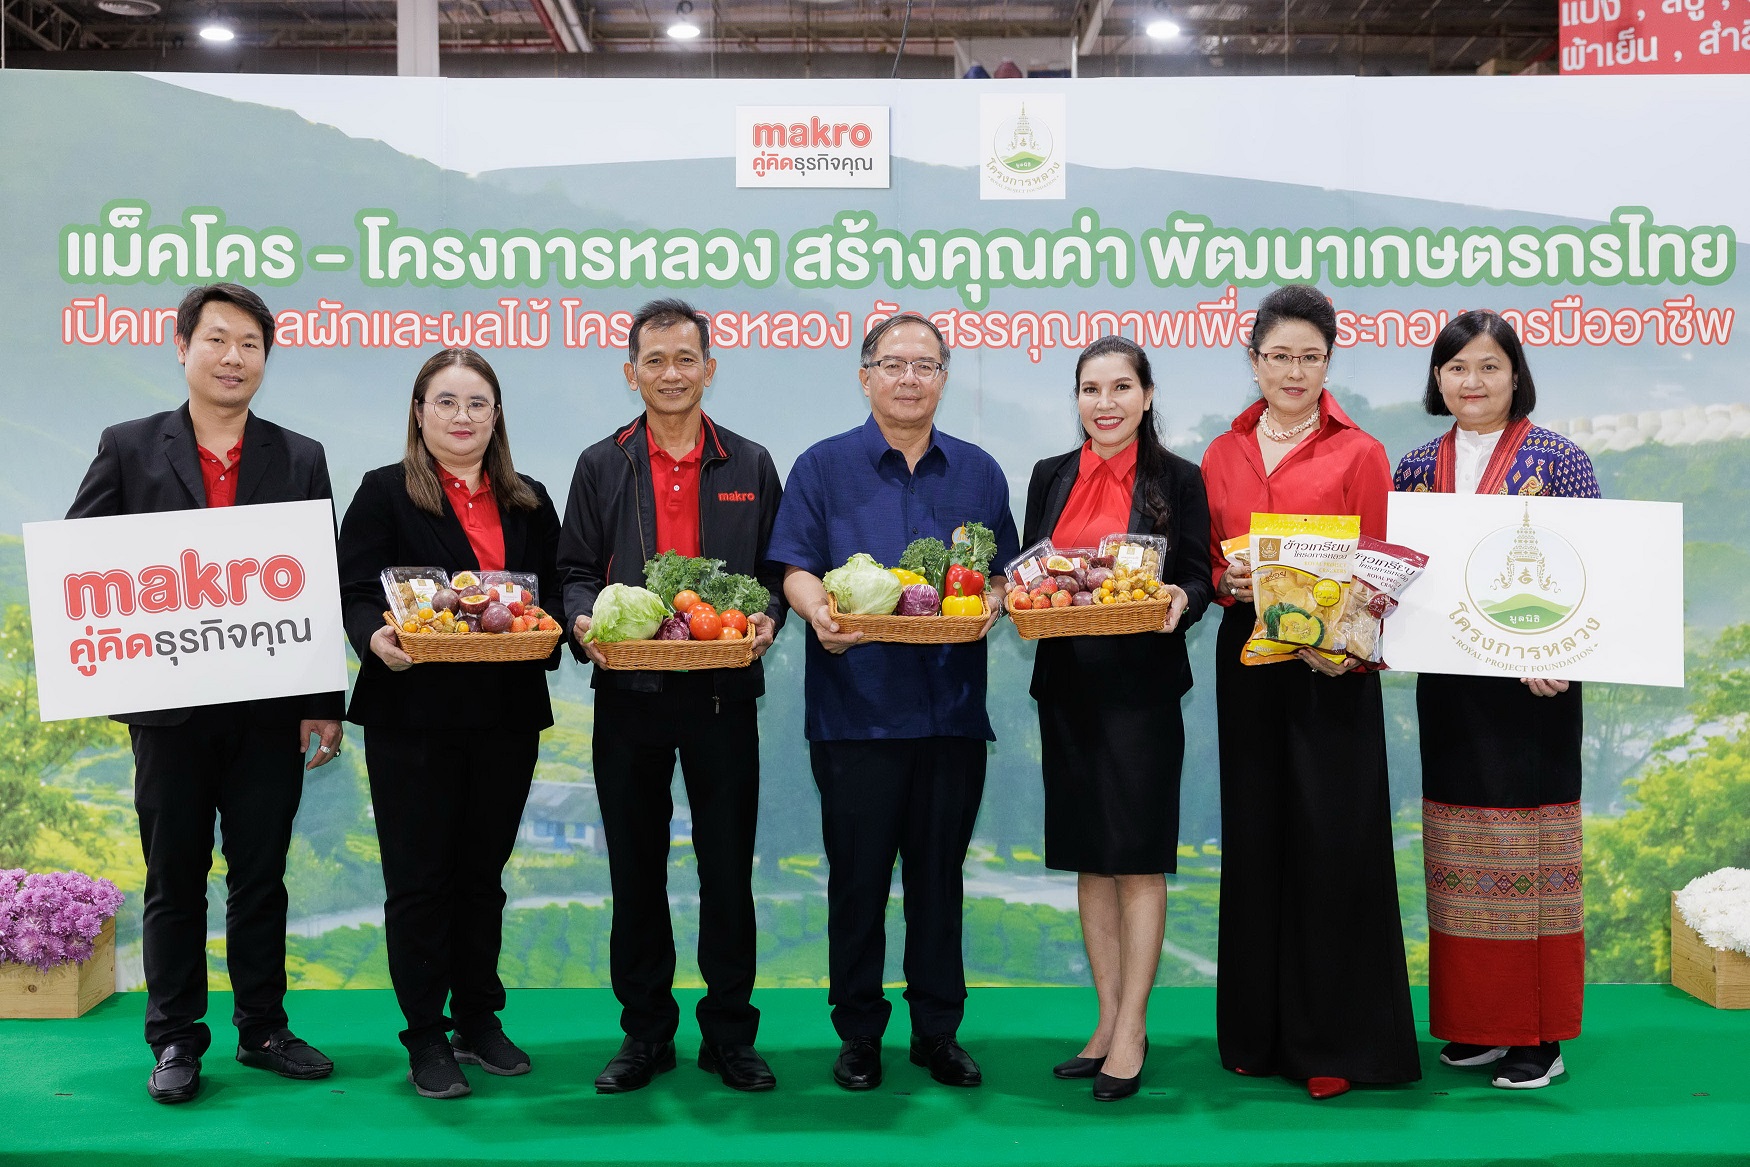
<point x="1091" y="32"/>
<point x="44" y="23"/>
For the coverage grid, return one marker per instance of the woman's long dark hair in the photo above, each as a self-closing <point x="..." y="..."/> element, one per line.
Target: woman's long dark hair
<point x="423" y="487"/>
<point x="1151" y="454"/>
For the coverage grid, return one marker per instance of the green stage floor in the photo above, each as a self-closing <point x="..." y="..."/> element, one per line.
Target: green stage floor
<point x="1658" y="1077"/>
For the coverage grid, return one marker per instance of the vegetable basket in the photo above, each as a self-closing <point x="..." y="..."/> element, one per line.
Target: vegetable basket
<point x="1092" y="619"/>
<point x="677" y="655"/>
<point x="476" y="647"/>
<point x="910" y="629"/>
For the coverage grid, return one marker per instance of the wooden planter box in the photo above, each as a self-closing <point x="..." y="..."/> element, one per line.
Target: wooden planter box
<point x="68" y="990"/>
<point x="1717" y="976"/>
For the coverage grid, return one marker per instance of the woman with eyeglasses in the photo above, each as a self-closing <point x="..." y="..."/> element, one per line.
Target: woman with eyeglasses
<point x="1112" y="752"/>
<point x="1500" y="755"/>
<point x="450" y="747"/>
<point x="1312" y="982"/>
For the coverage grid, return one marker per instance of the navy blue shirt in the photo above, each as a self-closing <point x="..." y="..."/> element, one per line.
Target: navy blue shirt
<point x="852" y="493"/>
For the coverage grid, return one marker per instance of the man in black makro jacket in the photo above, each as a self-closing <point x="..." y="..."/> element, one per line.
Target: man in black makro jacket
<point x="242" y="762"/>
<point x="674" y="480"/>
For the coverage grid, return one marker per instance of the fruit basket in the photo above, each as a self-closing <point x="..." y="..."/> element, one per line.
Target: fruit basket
<point x="677" y="655"/>
<point x="910" y="629"/>
<point x="490" y="647"/>
<point x="1092" y="619"/>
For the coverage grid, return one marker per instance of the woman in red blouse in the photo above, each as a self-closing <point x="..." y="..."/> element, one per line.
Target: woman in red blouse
<point x="1109" y="720"/>
<point x="1312" y="983"/>
<point x="450" y="748"/>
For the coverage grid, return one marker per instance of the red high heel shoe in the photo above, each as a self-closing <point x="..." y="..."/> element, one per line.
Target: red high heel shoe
<point x="1323" y="1088"/>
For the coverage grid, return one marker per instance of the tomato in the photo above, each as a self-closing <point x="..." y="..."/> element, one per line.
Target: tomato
<point x="734" y="619"/>
<point x="684" y="601"/>
<point x="729" y="633"/>
<point x="705" y="625"/>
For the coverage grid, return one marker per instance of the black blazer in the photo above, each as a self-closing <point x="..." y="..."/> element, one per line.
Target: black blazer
<point x="150" y="465"/>
<point x="382" y="529"/>
<point x="1071" y="660"/>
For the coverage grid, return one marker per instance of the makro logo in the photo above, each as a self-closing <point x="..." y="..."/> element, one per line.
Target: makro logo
<point x="192" y="583"/>
<point x="735" y="496"/>
<point x="811" y="146"/>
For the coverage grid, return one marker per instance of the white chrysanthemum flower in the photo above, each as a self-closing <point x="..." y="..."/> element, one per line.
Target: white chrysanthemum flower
<point x="1717" y="906"/>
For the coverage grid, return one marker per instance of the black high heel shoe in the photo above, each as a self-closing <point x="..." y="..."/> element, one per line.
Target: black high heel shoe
<point x="1110" y="1089"/>
<point x="1078" y="1067"/>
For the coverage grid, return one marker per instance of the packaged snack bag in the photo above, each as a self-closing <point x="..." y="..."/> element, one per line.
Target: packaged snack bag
<point x="1302" y="569"/>
<point x="1382" y="572"/>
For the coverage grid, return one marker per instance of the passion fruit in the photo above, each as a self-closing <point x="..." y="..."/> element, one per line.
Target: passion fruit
<point x="496" y="618"/>
<point x="445" y="599"/>
<point x="1057" y="565"/>
<point x="463" y="580"/>
<point x="476" y="604"/>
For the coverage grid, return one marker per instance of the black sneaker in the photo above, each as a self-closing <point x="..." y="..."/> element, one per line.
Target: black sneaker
<point x="434" y="1073"/>
<point x="492" y="1052"/>
<point x="1530" y="1067"/>
<point x="1459" y="1053"/>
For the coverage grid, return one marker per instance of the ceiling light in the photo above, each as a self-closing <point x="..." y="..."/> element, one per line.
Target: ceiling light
<point x="217" y="33"/>
<point x="130" y="7"/>
<point x="683" y="27"/>
<point x="1162" y="30"/>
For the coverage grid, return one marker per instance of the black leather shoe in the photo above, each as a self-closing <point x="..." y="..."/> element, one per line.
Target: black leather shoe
<point x="288" y="1056"/>
<point x="492" y="1052"/>
<point x="635" y="1065"/>
<point x="740" y="1066"/>
<point x="947" y="1062"/>
<point x="1078" y="1067"/>
<point x="859" y="1064"/>
<point x="177" y="1076"/>
<point x="434" y="1073"/>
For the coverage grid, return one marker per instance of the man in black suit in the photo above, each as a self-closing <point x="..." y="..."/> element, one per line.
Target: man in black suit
<point x="242" y="761"/>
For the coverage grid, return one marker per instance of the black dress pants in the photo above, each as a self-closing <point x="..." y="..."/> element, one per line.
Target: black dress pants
<point x="447" y="806"/>
<point x="250" y="777"/>
<point x="637" y="736"/>
<point x="914" y="800"/>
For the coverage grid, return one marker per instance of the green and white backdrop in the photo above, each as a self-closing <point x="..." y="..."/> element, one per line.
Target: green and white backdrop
<point x="382" y="217"/>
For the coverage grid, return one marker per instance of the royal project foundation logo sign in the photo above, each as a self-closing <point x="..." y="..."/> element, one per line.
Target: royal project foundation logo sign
<point x="1023" y="144"/>
<point x="1540" y="587"/>
<point x="821" y="146"/>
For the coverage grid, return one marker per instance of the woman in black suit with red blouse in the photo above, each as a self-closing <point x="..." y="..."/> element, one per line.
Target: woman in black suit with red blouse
<point x="451" y="748"/>
<point x="1110" y="729"/>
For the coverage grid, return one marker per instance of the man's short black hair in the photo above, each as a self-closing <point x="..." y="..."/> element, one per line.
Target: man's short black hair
<point x="873" y="339"/>
<point x="188" y="313"/>
<point x="667" y="314"/>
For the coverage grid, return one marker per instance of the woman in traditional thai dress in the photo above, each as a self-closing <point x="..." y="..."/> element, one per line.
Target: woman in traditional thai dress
<point x="1312" y="983"/>
<point x="1500" y="755"/>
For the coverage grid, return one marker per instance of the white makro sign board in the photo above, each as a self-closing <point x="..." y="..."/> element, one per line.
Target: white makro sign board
<point x="1569" y="588"/>
<point x="842" y="146"/>
<point x="160" y="611"/>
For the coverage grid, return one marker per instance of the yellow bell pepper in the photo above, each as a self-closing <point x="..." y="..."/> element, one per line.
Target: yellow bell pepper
<point x="963" y="606"/>
<point x="907" y="578"/>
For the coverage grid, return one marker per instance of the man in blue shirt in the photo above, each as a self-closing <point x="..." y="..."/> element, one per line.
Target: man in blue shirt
<point x="896" y="732"/>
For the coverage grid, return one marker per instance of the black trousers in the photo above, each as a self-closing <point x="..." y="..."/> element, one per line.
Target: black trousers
<point x="1312" y="979"/>
<point x="637" y="736"/>
<point x="914" y="800"/>
<point x="447" y="805"/>
<point x="250" y="777"/>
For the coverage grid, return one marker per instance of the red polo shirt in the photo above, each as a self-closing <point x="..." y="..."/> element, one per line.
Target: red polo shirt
<point x="478" y="514"/>
<point x="677" y="495"/>
<point x="220" y="478"/>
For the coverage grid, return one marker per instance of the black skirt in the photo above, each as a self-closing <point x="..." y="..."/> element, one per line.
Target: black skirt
<point x="1488" y="741"/>
<point x="1111" y="741"/>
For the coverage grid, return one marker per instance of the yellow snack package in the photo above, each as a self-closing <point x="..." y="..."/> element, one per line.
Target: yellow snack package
<point x="1302" y="571"/>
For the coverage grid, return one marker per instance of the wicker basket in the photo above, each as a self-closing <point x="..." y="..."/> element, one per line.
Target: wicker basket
<point x="1091" y="619"/>
<point x="671" y="656"/>
<point x="476" y="647"/>
<point x="910" y="629"/>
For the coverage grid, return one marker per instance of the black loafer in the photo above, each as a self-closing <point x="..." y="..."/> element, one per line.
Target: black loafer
<point x="1078" y="1067"/>
<point x="434" y="1073"/>
<point x="288" y="1056"/>
<point x="859" y="1064"/>
<point x="947" y="1062"/>
<point x="635" y="1065"/>
<point x="492" y="1052"/>
<point x="740" y="1066"/>
<point x="177" y="1076"/>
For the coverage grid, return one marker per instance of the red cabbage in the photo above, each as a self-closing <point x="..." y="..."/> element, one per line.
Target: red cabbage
<point x="673" y="628"/>
<point x="918" y="600"/>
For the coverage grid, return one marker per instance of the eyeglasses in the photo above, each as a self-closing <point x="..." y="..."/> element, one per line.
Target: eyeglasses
<point x="1311" y="362"/>
<point x="895" y="367"/>
<point x="446" y="409"/>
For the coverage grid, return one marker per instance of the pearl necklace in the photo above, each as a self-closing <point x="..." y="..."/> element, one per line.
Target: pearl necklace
<point x="1287" y="435"/>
